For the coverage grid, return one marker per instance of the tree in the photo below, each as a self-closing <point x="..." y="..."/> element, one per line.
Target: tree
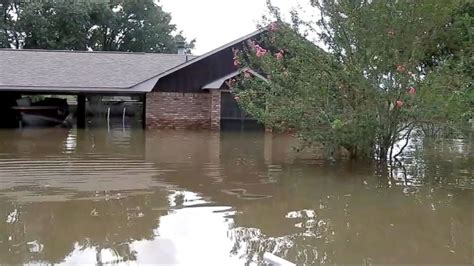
<point x="54" y="24"/>
<point x="6" y="22"/>
<point x="361" y="90"/>
<point x="448" y="94"/>
<point x="133" y="26"/>
<point x="4" y="17"/>
<point x="115" y="25"/>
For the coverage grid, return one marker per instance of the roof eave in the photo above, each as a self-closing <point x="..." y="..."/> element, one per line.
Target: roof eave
<point x="217" y="84"/>
<point x="72" y="90"/>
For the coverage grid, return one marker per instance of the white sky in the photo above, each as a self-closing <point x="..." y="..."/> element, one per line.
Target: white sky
<point x="216" y="22"/>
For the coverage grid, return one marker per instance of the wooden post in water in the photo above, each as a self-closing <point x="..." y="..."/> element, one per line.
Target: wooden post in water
<point x="81" y="111"/>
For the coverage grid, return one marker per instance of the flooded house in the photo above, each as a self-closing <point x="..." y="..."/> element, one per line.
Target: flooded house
<point x="178" y="91"/>
<point x="133" y="196"/>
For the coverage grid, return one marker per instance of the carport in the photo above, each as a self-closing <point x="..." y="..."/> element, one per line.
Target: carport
<point x="81" y="74"/>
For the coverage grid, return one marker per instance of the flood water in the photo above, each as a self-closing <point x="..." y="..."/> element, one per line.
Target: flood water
<point x="203" y="198"/>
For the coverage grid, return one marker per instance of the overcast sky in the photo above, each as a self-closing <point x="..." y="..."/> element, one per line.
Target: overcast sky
<point x="216" y="22"/>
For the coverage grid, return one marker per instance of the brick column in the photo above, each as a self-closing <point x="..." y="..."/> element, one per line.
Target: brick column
<point x="215" y="109"/>
<point x="177" y="110"/>
<point x="151" y="110"/>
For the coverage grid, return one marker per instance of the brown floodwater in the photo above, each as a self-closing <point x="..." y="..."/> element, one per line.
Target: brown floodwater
<point x="203" y="198"/>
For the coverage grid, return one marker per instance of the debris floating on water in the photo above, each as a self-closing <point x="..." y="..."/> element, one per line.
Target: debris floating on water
<point x="12" y="217"/>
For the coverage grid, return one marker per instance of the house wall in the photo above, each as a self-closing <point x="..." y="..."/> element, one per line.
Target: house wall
<point x="178" y="100"/>
<point x="193" y="77"/>
<point x="177" y="110"/>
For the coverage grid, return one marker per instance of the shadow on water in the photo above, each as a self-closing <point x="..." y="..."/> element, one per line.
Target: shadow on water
<point x="184" y="197"/>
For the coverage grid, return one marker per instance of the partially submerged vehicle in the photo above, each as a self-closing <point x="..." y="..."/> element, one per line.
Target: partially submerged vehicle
<point x="47" y="112"/>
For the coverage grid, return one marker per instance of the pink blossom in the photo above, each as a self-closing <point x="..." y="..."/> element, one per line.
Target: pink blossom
<point x="236" y="61"/>
<point x="273" y="26"/>
<point x="399" y="103"/>
<point x="401" y="68"/>
<point x="247" y="74"/>
<point x="412" y="91"/>
<point x="279" y="55"/>
<point x="260" y="51"/>
<point x="391" y="33"/>
<point x="236" y="98"/>
<point x="413" y="75"/>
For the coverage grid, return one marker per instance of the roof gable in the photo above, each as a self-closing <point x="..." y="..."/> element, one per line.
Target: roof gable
<point x="193" y="75"/>
<point x="206" y="55"/>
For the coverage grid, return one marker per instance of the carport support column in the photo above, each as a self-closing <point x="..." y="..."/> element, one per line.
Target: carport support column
<point x="143" y="98"/>
<point x="215" y="109"/>
<point x="81" y="111"/>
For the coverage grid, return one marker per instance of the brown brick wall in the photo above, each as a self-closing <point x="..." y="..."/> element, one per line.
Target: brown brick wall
<point x="215" y="109"/>
<point x="177" y="110"/>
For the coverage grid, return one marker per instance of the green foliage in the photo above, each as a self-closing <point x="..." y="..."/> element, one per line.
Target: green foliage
<point x="6" y="22"/>
<point x="105" y="25"/>
<point x="381" y="71"/>
<point x="448" y="94"/>
<point x="54" y="25"/>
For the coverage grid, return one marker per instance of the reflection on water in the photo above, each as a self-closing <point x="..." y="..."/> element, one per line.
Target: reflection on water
<point x="204" y="198"/>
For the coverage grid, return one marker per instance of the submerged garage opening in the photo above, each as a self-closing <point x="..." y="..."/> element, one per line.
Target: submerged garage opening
<point x="233" y="118"/>
<point x="36" y="109"/>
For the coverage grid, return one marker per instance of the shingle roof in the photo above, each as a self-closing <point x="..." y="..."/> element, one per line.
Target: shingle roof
<point x="83" y="71"/>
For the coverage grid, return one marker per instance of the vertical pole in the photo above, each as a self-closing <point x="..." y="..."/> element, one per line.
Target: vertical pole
<point x="81" y="111"/>
<point x="144" y="111"/>
<point x="242" y="119"/>
<point x="108" y="119"/>
<point x="123" y="117"/>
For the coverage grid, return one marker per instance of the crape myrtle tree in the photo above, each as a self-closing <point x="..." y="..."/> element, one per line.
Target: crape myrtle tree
<point x="100" y="25"/>
<point x="381" y="69"/>
<point x="447" y="91"/>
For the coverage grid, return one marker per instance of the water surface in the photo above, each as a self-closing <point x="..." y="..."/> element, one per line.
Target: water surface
<point x="203" y="198"/>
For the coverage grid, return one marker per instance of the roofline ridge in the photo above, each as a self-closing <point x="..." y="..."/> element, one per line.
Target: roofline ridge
<point x="87" y="52"/>
<point x="67" y="87"/>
